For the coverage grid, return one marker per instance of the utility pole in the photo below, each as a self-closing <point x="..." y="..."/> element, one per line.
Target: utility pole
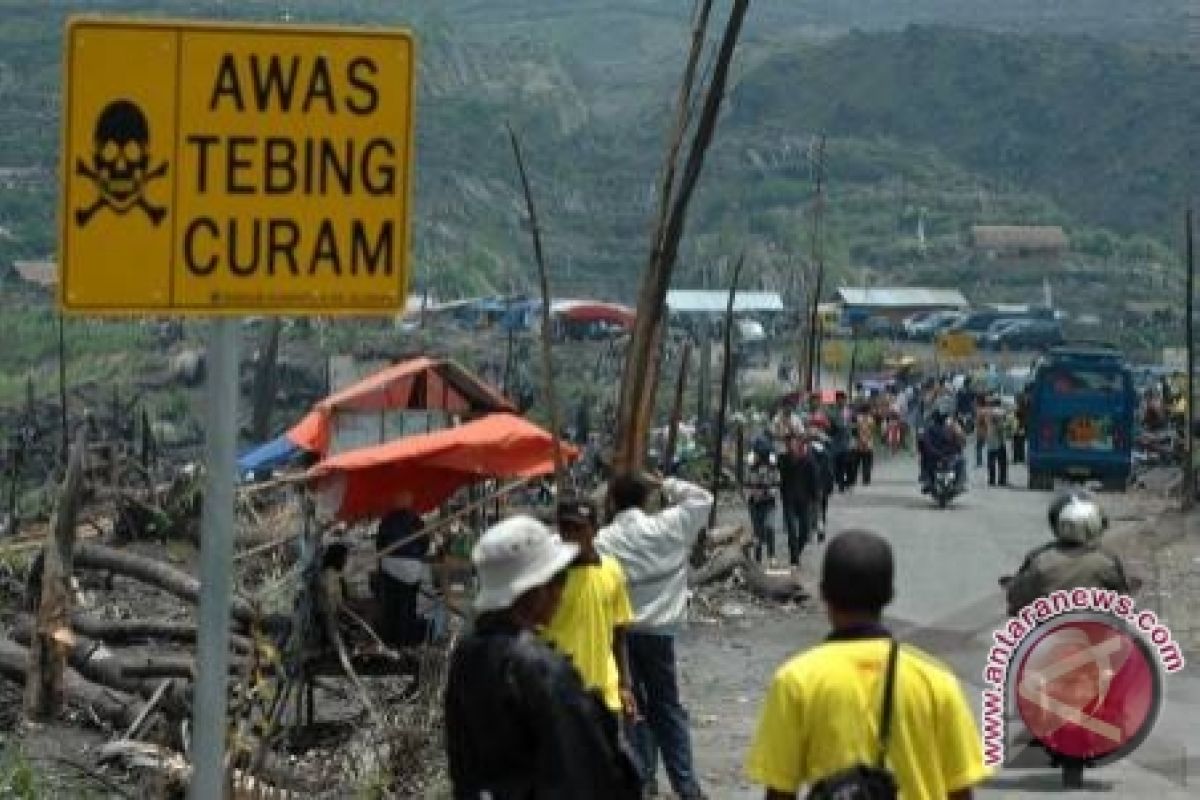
<point x="1189" y="466"/>
<point x="818" y="261"/>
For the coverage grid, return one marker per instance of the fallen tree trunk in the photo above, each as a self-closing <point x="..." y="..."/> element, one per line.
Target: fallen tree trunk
<point x="779" y="587"/>
<point x="132" y="631"/>
<point x="98" y="663"/>
<point x="114" y="707"/>
<point x="177" y="770"/>
<point x="90" y="555"/>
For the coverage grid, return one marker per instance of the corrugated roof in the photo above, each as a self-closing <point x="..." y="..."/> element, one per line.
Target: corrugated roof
<point x="902" y="297"/>
<point x="715" y="302"/>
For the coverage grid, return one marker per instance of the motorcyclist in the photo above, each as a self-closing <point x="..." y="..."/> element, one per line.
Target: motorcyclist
<point x="1073" y="559"/>
<point x="943" y="439"/>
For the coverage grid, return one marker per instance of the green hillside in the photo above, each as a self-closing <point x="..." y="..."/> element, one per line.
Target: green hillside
<point x="955" y="127"/>
<point x="1108" y="131"/>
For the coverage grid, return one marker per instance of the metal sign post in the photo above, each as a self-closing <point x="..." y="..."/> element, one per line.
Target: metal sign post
<point x="216" y="558"/>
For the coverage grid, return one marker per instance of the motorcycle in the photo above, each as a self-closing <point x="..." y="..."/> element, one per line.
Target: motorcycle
<point x="945" y="482"/>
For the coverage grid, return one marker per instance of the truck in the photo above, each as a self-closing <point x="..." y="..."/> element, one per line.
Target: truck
<point x="1082" y="409"/>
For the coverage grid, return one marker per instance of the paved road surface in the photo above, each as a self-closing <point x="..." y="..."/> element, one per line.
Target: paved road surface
<point x="947" y="602"/>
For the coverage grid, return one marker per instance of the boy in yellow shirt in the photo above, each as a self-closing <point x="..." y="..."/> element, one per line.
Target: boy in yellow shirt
<point x="822" y="713"/>
<point x="589" y="625"/>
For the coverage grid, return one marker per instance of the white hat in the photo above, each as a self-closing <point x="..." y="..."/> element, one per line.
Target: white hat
<point x="514" y="556"/>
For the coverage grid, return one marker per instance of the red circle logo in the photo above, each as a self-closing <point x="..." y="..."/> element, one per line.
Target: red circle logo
<point x="1087" y="688"/>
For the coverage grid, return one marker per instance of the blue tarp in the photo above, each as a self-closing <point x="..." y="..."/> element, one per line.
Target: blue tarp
<point x="264" y="458"/>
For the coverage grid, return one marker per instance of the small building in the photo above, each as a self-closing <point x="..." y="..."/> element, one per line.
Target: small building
<point x="702" y="302"/>
<point x="42" y="273"/>
<point x="1019" y="241"/>
<point x="859" y="304"/>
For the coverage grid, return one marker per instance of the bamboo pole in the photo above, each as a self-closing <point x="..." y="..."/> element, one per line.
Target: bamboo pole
<point x="640" y="376"/>
<point x="547" y="354"/>
<point x="818" y="260"/>
<point x="726" y="374"/>
<point x="676" y="409"/>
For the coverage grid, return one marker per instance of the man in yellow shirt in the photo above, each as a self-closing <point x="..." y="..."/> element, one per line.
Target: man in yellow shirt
<point x="822" y="712"/>
<point x="589" y="625"/>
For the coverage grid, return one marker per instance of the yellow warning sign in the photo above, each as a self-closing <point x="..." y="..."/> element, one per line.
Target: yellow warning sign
<point x="833" y="354"/>
<point x="955" y="344"/>
<point x="235" y="169"/>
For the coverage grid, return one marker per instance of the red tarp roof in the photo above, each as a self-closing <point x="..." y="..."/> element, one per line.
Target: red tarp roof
<point x="367" y="482"/>
<point x="589" y="311"/>
<point x="415" y="385"/>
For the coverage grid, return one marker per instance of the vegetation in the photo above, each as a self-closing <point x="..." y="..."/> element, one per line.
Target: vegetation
<point x="930" y="125"/>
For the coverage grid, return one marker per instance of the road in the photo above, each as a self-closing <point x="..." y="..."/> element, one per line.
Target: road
<point x="948" y="603"/>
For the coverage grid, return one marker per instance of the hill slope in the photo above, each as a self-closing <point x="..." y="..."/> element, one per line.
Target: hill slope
<point x="1109" y="132"/>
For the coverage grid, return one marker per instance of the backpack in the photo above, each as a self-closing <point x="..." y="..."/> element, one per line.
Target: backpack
<point x="867" y="781"/>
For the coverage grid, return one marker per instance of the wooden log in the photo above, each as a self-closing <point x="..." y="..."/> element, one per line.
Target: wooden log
<point x="98" y="664"/>
<point x="44" y="689"/>
<point x="177" y="770"/>
<point x="117" y="708"/>
<point x="90" y="555"/>
<point x="722" y="564"/>
<point x="778" y="587"/>
<point x="726" y="535"/>
<point x="132" y="631"/>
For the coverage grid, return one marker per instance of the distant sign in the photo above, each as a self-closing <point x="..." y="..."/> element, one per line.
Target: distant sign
<point x="833" y="354"/>
<point x="222" y="169"/>
<point x="955" y="344"/>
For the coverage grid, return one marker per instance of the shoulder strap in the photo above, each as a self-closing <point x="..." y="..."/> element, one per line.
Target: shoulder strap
<point x="885" y="721"/>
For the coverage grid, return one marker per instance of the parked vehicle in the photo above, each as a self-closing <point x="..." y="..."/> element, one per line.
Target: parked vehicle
<point x="1081" y="417"/>
<point x="935" y="323"/>
<point x="979" y="321"/>
<point x="912" y="320"/>
<point x="1025" y="334"/>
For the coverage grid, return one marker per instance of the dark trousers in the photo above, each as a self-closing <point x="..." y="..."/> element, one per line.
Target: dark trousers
<point x="764" y="534"/>
<point x="841" y="469"/>
<point x="866" y="460"/>
<point x="664" y="725"/>
<point x="797" y="520"/>
<point x="997" y="465"/>
<point x="1018" y="448"/>
<point x="980" y="446"/>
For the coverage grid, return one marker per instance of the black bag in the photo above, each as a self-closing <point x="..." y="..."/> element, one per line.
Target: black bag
<point x="867" y="781"/>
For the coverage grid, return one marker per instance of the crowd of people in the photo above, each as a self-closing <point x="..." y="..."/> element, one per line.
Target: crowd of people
<point x="567" y="684"/>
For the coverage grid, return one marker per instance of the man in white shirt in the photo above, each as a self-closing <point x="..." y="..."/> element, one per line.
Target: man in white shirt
<point x="653" y="551"/>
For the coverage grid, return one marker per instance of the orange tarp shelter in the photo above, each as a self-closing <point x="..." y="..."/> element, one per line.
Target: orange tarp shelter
<point x="420" y="384"/>
<point x="365" y="483"/>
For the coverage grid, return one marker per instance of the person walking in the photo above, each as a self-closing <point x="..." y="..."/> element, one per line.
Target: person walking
<point x="865" y="431"/>
<point x="799" y="493"/>
<point x="1021" y="416"/>
<point x="997" y="445"/>
<point x="653" y="550"/>
<point x="981" y="424"/>
<point x="519" y="723"/>
<point x="824" y="712"/>
<point x="592" y="617"/>
<point x="762" y="481"/>
<point x="840" y="441"/>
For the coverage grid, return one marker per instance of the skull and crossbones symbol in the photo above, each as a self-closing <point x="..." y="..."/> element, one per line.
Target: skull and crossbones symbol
<point x="120" y="166"/>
